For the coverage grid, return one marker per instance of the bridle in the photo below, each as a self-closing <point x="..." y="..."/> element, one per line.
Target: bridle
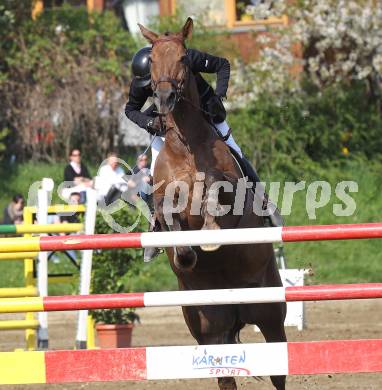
<point x="178" y="85"/>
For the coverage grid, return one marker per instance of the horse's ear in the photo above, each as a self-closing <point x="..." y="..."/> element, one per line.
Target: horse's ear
<point x="187" y="28"/>
<point x="149" y="35"/>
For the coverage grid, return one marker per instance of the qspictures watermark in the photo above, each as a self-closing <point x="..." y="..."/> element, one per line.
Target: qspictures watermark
<point x="318" y="194"/>
<point x="179" y="195"/>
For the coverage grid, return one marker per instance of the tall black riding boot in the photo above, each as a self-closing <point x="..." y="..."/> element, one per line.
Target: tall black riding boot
<point x="150" y="253"/>
<point x="274" y="217"/>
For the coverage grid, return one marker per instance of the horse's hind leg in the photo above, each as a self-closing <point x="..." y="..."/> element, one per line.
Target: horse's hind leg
<point x="269" y="317"/>
<point x="271" y="324"/>
<point x="227" y="383"/>
<point x="214" y="325"/>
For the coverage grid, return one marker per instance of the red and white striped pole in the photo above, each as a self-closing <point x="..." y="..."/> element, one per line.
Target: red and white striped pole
<point x="192" y="298"/>
<point x="194" y="238"/>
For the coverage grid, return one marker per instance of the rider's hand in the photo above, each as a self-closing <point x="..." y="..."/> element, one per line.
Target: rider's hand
<point x="216" y="109"/>
<point x="154" y="126"/>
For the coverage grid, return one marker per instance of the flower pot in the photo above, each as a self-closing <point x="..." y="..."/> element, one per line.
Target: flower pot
<point x="114" y="336"/>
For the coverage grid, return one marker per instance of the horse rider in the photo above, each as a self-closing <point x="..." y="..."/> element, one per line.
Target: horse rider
<point x="211" y="103"/>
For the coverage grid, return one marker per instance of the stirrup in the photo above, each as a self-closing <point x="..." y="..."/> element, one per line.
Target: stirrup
<point x="150" y="254"/>
<point x="274" y="219"/>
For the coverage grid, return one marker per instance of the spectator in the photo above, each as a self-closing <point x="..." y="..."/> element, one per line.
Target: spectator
<point x="110" y="182"/>
<point x="142" y="165"/>
<point x="142" y="178"/>
<point x="13" y="213"/>
<point x="75" y="198"/>
<point x="77" y="173"/>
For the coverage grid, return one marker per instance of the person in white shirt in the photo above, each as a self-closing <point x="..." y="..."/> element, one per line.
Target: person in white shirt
<point x="110" y="179"/>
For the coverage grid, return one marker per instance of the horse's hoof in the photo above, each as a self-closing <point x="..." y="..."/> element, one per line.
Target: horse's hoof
<point x="210" y="248"/>
<point x="185" y="261"/>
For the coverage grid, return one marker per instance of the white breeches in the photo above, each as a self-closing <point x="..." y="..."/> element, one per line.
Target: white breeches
<point x="156" y="146"/>
<point x="223" y="127"/>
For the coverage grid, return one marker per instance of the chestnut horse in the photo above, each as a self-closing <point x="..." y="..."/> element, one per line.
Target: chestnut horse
<point x="194" y="157"/>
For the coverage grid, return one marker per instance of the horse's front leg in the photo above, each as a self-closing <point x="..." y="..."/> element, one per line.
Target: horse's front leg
<point x="184" y="256"/>
<point x="210" y="202"/>
<point x="211" y="208"/>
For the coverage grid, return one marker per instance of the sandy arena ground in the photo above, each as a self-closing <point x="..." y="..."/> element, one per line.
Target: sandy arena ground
<point x="165" y="326"/>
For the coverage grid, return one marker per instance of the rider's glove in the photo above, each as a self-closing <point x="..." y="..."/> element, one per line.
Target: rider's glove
<point x="154" y="126"/>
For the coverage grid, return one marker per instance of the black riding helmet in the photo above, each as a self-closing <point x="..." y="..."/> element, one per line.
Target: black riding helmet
<point x="141" y="66"/>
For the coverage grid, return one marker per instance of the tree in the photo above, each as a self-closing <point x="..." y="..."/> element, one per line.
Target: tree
<point x="62" y="81"/>
<point x="341" y="42"/>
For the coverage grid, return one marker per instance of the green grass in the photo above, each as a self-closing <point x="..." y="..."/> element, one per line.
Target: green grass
<point x="20" y="178"/>
<point x="341" y="261"/>
<point x="12" y="271"/>
<point x="331" y="262"/>
<point x="153" y="276"/>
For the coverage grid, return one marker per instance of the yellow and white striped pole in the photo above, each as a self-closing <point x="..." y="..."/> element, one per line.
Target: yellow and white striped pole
<point x="30" y="333"/>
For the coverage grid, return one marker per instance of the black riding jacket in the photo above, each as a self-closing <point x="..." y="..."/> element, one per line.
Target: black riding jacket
<point x="199" y="62"/>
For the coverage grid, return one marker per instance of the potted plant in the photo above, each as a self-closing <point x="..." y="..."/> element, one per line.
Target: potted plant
<point x="114" y="327"/>
<point x="112" y="272"/>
